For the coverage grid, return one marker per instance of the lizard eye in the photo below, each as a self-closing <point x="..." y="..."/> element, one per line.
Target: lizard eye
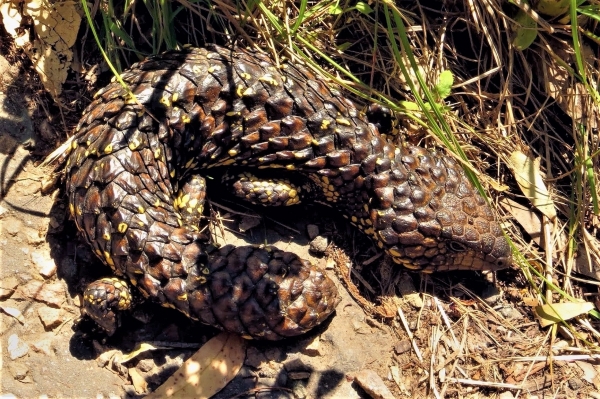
<point x="457" y="246"/>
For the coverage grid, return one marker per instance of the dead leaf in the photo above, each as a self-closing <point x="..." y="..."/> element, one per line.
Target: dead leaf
<point x="569" y="94"/>
<point x="551" y="314"/>
<point x="139" y="382"/>
<point x="529" y="301"/>
<point x="140" y="348"/>
<point x="530" y="180"/>
<point x="11" y="17"/>
<point x="56" y="26"/>
<point x="589" y="371"/>
<point x="207" y="371"/>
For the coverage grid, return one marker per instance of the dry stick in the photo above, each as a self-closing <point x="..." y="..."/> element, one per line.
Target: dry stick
<point x="479" y="383"/>
<point x="446" y="320"/>
<point x="533" y="363"/>
<point x="435" y="339"/>
<point x="564" y="358"/>
<point x="458" y="352"/>
<point x="410" y="334"/>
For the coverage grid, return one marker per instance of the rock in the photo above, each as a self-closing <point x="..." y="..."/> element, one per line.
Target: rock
<point x="312" y="230"/>
<point x="254" y="357"/>
<point x="43" y="263"/>
<point x="491" y="295"/>
<point x="299" y="375"/>
<point x="248" y="222"/>
<point x="33" y="237"/>
<point x="296" y="365"/>
<point x="274" y="353"/>
<point x="16" y="347"/>
<point x="510" y="313"/>
<point x="318" y="245"/>
<point x="402" y="347"/>
<point x="8" y="286"/>
<point x="44" y="344"/>
<point x="18" y="370"/>
<point x="52" y="294"/>
<point x="50" y="317"/>
<point x="372" y="384"/>
<point x="576" y="384"/>
<point x="266" y="382"/>
<point x="12" y="226"/>
<point x="299" y="390"/>
<point x="145" y="365"/>
<point x="313" y="349"/>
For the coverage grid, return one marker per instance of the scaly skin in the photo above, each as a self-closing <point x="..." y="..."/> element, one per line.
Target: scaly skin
<point x="216" y="107"/>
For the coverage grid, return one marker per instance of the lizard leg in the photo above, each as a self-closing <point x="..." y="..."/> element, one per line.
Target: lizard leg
<point x="267" y="191"/>
<point x="103" y="300"/>
<point x="189" y="201"/>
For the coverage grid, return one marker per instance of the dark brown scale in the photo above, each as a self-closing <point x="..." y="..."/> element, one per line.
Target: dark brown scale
<point x="216" y="107"/>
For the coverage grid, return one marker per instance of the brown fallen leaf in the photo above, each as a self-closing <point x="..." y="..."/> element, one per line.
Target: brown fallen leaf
<point x="140" y="348"/>
<point x="529" y="178"/>
<point x="551" y="314"/>
<point x="56" y="26"/>
<point x="208" y="371"/>
<point x="139" y="383"/>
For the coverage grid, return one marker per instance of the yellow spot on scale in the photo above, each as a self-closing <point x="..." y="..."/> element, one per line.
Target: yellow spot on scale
<point x="72" y="209"/>
<point x="232" y="152"/>
<point x="245" y="75"/>
<point x="74" y="144"/>
<point x="108" y="259"/>
<point x="189" y="163"/>
<point x="141" y="209"/>
<point x="290" y="167"/>
<point x="122" y="228"/>
<point x="165" y="101"/>
<point x="106" y="236"/>
<point x="172" y="173"/>
<point x="233" y="113"/>
<point x="325" y="124"/>
<point x="157" y="153"/>
<point x="135" y="143"/>
<point x="182" y="297"/>
<point x="174" y="97"/>
<point x="343" y="121"/>
<point x="184" y="200"/>
<point x="240" y="90"/>
<point x="108" y="149"/>
<point x="185" y="119"/>
<point x="354" y="219"/>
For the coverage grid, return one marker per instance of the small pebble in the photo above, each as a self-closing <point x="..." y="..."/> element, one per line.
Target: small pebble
<point x="16" y="347"/>
<point x="402" y="347"/>
<point x="372" y="384"/>
<point x="318" y="245"/>
<point x="312" y="230"/>
<point x="313" y="349"/>
<point x="50" y="317"/>
<point x="18" y="370"/>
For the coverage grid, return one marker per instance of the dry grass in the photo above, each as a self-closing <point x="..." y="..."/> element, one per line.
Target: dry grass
<point x="537" y="101"/>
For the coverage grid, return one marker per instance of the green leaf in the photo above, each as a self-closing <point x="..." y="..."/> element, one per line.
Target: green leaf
<point x="363" y="8"/>
<point x="344" y="46"/>
<point x="335" y="9"/>
<point x="444" y="85"/>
